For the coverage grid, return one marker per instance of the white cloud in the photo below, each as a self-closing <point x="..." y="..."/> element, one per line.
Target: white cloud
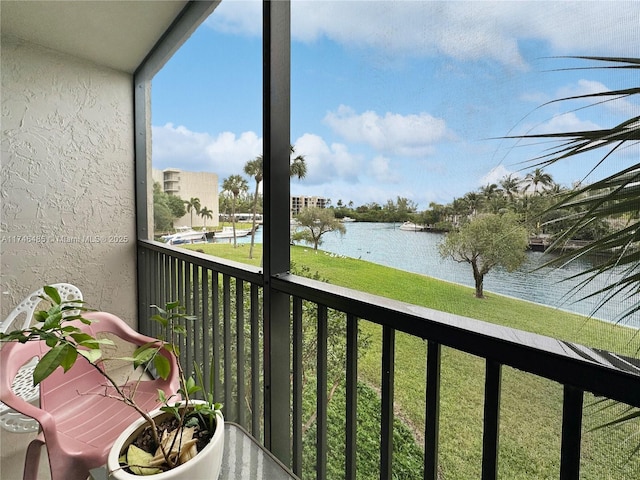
<point x="566" y="122"/>
<point x="589" y="87"/>
<point x="327" y="163"/>
<point x="495" y="175"/>
<point x="381" y="171"/>
<point x="461" y="30"/>
<point x="404" y="135"/>
<point x="237" y="17"/>
<point x="225" y="154"/>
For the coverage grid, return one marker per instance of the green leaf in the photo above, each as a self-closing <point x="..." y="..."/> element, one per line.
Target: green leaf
<point x="52" y="293"/>
<point x="80" y="337"/>
<point x="53" y="319"/>
<point x="163" y="367"/>
<point x="191" y="386"/>
<point x="173" y="409"/>
<point x="144" y="354"/>
<point x="159" y="309"/>
<point x="160" y="319"/>
<point x="96" y="343"/>
<point x="69" y="358"/>
<point x="162" y="396"/>
<point x="172" y="305"/>
<point x="48" y="363"/>
<point x="171" y="348"/>
<point x="92" y="355"/>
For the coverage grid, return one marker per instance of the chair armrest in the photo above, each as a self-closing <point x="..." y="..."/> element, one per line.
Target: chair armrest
<point x="107" y="322"/>
<point x="12" y="357"/>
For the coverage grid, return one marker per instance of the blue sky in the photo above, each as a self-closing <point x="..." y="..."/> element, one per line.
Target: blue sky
<point x="399" y="98"/>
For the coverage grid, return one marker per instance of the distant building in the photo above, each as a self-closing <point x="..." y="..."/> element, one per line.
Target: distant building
<point x="297" y="203"/>
<point x="188" y="185"/>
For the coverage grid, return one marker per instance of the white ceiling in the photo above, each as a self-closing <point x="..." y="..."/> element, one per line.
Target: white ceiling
<point x="113" y="33"/>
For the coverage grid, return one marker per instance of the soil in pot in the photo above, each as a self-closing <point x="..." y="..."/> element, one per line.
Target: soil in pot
<point x="146" y="442"/>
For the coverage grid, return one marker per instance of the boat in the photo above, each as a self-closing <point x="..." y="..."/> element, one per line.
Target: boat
<point x="412" y="227"/>
<point x="227" y="232"/>
<point x="348" y="219"/>
<point x="184" y="235"/>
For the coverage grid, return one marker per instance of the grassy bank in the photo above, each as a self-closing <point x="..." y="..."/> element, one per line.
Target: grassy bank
<point x="531" y="407"/>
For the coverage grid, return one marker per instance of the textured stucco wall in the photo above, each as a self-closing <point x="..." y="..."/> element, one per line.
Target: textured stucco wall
<point x="67" y="173"/>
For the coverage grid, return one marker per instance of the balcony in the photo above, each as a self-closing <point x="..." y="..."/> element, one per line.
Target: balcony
<point x="249" y="319"/>
<point x="230" y="337"/>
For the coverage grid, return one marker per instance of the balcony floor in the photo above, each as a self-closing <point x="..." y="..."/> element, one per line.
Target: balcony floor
<point x="13" y="449"/>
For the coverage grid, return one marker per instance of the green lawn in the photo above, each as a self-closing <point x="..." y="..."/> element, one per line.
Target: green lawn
<point x="531" y="407"/>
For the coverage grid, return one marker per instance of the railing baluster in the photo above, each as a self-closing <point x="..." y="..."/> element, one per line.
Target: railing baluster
<point x="195" y="344"/>
<point x="297" y="386"/>
<point x="189" y="272"/>
<point x="157" y="271"/>
<point x="171" y="289"/>
<point x="321" y="375"/>
<point x="215" y="332"/>
<point x="432" y="413"/>
<point x="226" y="342"/>
<point x="491" y="431"/>
<point x="351" y="397"/>
<point x="386" y="424"/>
<point x="571" y="433"/>
<point x="144" y="270"/>
<point x="255" y="362"/>
<point x="207" y="347"/>
<point x="240" y="357"/>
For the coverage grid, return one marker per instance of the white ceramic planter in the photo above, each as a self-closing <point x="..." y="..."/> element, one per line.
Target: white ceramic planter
<point x="206" y="464"/>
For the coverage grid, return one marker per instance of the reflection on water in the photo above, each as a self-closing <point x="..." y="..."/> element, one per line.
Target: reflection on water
<point x="385" y="244"/>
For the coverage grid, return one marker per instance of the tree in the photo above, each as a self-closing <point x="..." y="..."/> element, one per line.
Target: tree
<point x="254" y="168"/>
<point x="615" y="196"/>
<point x="538" y="177"/>
<point x="236" y="185"/>
<point x="193" y="204"/>
<point x="206" y="213"/>
<point x="176" y="204"/>
<point x="486" y="242"/>
<point x="472" y="201"/>
<point x="162" y="216"/>
<point x="298" y="165"/>
<point x="315" y="222"/>
<point x="510" y="185"/>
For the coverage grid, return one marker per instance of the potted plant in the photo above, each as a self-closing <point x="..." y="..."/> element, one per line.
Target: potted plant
<point x="182" y="439"/>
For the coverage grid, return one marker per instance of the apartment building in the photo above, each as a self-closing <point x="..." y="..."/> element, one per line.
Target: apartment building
<point x="187" y="185"/>
<point x="297" y="203"/>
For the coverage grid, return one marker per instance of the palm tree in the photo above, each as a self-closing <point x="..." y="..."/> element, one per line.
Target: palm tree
<point x="538" y="177"/>
<point x="254" y="168"/>
<point x="193" y="204"/>
<point x="510" y="185"/>
<point x="616" y="195"/>
<point x="472" y="201"/>
<point x="298" y="166"/>
<point x="234" y="184"/>
<point x="206" y="213"/>
<point x="488" y="193"/>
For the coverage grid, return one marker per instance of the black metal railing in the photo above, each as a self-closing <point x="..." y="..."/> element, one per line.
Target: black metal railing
<point x="226" y="299"/>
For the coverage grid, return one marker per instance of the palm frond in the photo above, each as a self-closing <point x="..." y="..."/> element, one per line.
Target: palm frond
<point x="616" y="196"/>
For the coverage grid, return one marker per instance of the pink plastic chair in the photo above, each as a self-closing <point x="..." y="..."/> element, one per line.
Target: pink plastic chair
<point x="79" y="423"/>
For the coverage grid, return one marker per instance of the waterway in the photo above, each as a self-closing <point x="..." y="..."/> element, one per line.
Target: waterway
<point x="385" y="244"/>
